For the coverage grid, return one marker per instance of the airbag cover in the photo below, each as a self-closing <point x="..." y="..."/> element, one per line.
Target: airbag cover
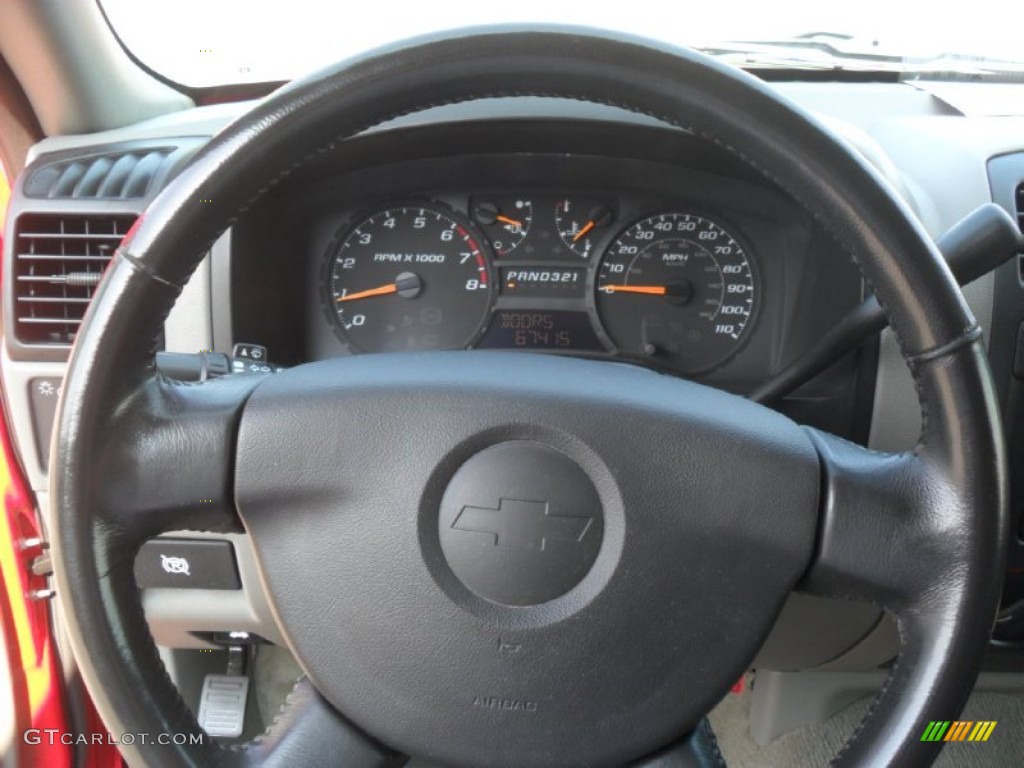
<point x="689" y="514"/>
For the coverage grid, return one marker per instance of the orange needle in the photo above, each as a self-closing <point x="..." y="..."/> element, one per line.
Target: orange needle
<point x="507" y="220"/>
<point x="583" y="231"/>
<point x="654" y="290"/>
<point x="381" y="291"/>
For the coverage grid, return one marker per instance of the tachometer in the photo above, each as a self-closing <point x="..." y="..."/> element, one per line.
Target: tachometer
<point x="409" y="277"/>
<point x="677" y="287"/>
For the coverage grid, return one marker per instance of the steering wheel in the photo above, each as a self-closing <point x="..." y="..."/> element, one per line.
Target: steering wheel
<point x="652" y="526"/>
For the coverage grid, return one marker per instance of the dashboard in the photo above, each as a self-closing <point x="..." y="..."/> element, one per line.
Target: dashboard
<point x="549" y="227"/>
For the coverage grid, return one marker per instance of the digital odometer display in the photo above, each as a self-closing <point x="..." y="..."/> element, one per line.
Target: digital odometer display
<point x="532" y="329"/>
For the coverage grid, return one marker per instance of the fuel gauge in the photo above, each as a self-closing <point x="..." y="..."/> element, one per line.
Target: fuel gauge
<point x="505" y="220"/>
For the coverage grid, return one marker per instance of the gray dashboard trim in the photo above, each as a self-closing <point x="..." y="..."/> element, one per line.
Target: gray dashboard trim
<point x="189" y="326"/>
<point x="941" y="194"/>
<point x="18" y="375"/>
<point x="173" y="614"/>
<point x="220" y="294"/>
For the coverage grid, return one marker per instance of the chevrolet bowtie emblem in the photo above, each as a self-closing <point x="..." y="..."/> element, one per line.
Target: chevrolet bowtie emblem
<point x="520" y="524"/>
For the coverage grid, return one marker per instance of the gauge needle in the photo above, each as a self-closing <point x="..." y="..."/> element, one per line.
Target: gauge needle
<point x="507" y="220"/>
<point x="584" y="229"/>
<point x="408" y="284"/>
<point x="653" y="290"/>
<point x="380" y="291"/>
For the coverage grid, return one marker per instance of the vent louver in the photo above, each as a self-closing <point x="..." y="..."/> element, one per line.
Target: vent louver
<point x="58" y="262"/>
<point x="1018" y="199"/>
<point x="120" y="176"/>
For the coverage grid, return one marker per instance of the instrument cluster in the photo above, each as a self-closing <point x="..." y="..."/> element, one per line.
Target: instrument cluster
<point x="678" y="287"/>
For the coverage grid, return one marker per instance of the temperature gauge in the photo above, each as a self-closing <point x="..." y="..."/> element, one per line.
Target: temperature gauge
<point x="580" y="222"/>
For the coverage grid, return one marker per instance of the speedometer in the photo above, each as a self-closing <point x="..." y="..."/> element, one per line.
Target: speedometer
<point x="677" y="287"/>
<point x="408" y="277"/>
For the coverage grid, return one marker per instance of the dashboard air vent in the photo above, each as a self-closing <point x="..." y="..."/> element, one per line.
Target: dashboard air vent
<point x="120" y="176"/>
<point x="58" y="262"/>
<point x="1018" y="199"/>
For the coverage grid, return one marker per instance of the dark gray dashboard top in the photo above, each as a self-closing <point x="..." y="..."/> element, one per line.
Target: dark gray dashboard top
<point x="863" y="105"/>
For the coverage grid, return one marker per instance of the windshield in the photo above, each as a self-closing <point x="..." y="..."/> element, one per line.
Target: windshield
<point x="215" y="42"/>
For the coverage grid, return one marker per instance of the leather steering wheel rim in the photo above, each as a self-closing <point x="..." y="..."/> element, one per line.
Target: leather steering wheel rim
<point x="111" y="488"/>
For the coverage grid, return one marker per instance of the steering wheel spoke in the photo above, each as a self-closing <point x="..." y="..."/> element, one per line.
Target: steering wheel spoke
<point x="894" y="524"/>
<point x="910" y="532"/>
<point x="874" y="532"/>
<point x="164" y="459"/>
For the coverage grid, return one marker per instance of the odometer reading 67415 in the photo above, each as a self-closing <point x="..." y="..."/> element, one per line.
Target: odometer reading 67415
<point x="679" y="288"/>
<point x="409" y="277"/>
